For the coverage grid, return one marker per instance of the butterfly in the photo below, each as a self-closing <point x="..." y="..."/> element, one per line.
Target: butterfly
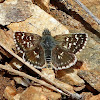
<point x="58" y="51"/>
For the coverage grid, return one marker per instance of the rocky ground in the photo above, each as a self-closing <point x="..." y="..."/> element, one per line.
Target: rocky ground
<point x="59" y="17"/>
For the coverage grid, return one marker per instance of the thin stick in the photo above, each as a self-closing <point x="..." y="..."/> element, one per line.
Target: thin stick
<point x="8" y="68"/>
<point x="38" y="72"/>
<point x="88" y="11"/>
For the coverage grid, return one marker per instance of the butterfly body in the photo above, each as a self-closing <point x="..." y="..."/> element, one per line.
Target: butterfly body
<point x="47" y="43"/>
<point x="58" y="51"/>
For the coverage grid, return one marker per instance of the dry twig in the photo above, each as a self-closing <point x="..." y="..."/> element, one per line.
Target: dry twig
<point x="8" y="68"/>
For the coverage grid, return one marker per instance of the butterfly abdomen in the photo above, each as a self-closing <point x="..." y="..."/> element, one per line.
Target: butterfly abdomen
<point x="48" y="59"/>
<point x="48" y="56"/>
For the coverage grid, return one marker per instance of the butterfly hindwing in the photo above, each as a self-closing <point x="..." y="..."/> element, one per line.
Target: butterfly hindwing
<point x="29" y="45"/>
<point x="61" y="59"/>
<point x="35" y="57"/>
<point x="72" y="42"/>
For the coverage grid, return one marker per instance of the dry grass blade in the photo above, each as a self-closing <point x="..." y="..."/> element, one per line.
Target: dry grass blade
<point x="45" y="78"/>
<point x="8" y="68"/>
<point x="88" y="11"/>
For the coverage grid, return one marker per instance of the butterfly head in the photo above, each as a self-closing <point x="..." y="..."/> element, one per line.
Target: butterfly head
<point x="46" y="32"/>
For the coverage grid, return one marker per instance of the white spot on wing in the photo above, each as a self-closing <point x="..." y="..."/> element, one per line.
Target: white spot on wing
<point x="76" y="37"/>
<point x="30" y="38"/>
<point x="61" y="53"/>
<point x="67" y="39"/>
<point x="59" y="57"/>
<point x="74" y="43"/>
<point x="23" y="36"/>
<point x="37" y="56"/>
<point x="69" y="45"/>
<point x="24" y="42"/>
<point x="34" y="52"/>
<point x="28" y="44"/>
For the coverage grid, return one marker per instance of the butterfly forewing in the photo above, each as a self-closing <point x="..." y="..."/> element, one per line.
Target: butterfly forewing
<point x="29" y="45"/>
<point x="72" y="42"/>
<point x="62" y="59"/>
<point x="26" y="41"/>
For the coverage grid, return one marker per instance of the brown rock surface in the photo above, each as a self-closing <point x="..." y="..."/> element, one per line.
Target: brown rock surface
<point x="4" y="82"/>
<point x="97" y="97"/>
<point x="38" y="22"/>
<point x="39" y="93"/>
<point x="9" y="93"/>
<point x="1" y="1"/>
<point x="51" y="75"/>
<point x="6" y="38"/>
<point x="90" y="55"/>
<point x="70" y="76"/>
<point x="92" y="77"/>
<point x="86" y="95"/>
<point x="14" y="11"/>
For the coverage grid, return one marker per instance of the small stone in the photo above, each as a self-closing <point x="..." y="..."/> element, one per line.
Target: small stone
<point x="31" y="94"/>
<point x="9" y="93"/>
<point x="48" y="73"/>
<point x="70" y="76"/>
<point x="17" y="96"/>
<point x="22" y="81"/>
<point x="86" y="95"/>
<point x="92" y="77"/>
<point x="16" y="64"/>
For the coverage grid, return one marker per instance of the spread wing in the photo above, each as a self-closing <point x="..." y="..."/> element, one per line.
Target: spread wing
<point x="62" y="59"/>
<point x="29" y="45"/>
<point x="74" y="42"/>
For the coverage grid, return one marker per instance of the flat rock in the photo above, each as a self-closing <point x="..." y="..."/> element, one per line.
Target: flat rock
<point x="38" y="22"/>
<point x="92" y="77"/>
<point x="14" y="11"/>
